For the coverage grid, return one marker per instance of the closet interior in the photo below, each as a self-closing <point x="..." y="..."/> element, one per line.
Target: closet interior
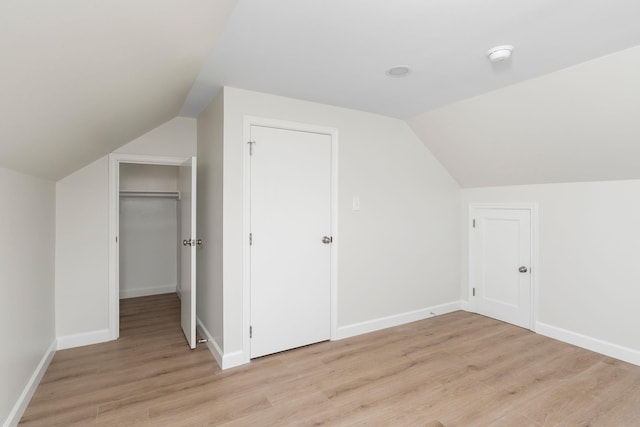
<point x="149" y="218"/>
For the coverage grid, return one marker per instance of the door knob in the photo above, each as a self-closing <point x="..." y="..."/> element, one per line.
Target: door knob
<point x="326" y="240"/>
<point x="186" y="242"/>
<point x="522" y="269"/>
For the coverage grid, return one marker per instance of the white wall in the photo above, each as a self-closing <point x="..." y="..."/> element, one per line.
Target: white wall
<point x="82" y="251"/>
<point x="152" y="178"/>
<point x="589" y="248"/>
<point x="210" y="187"/>
<point x="398" y="254"/>
<point x="27" y="323"/>
<point x="177" y="137"/>
<point x="82" y="240"/>
<point x="148" y="246"/>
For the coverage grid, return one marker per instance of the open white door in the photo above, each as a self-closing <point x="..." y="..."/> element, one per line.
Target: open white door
<point x="187" y="187"/>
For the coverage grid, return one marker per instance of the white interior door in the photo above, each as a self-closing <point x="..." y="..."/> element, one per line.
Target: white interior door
<point x="500" y="256"/>
<point x="187" y="186"/>
<point x="291" y="241"/>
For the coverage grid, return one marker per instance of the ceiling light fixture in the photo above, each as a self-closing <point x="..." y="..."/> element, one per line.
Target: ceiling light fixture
<point x="399" y="71"/>
<point x="499" y="53"/>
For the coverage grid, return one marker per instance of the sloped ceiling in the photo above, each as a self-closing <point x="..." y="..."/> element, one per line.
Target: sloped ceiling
<point x="532" y="119"/>
<point x="577" y="124"/>
<point x="336" y="51"/>
<point x="81" y="78"/>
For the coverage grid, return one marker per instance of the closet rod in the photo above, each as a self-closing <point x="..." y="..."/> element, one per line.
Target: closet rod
<point x="163" y="194"/>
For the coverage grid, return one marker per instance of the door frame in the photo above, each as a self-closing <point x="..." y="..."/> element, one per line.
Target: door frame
<point x="115" y="160"/>
<point x="533" y="211"/>
<point x="246" y="219"/>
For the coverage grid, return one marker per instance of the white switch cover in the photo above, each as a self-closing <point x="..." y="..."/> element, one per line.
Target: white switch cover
<point x="355" y="205"/>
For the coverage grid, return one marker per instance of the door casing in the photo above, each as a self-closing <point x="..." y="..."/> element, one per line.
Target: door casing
<point x="114" y="224"/>
<point x="533" y="210"/>
<point x="246" y="220"/>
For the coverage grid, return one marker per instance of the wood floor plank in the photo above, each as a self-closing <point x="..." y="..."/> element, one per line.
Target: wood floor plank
<point x="459" y="369"/>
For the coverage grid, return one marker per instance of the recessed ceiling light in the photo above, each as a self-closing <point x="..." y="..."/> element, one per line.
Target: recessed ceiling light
<point x="499" y="53"/>
<point x="399" y="71"/>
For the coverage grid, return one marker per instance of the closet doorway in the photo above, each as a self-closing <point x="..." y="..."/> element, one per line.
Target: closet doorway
<point x="149" y="234"/>
<point x="152" y="209"/>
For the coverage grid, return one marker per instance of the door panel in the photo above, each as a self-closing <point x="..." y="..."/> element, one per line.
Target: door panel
<point x="187" y="186"/>
<point x="501" y="246"/>
<point x="290" y="214"/>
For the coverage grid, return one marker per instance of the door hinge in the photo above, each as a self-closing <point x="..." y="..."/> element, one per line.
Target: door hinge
<point x="474" y="223"/>
<point x="250" y="239"/>
<point x="251" y="144"/>
<point x="116" y="239"/>
<point x="250" y="331"/>
<point x="474" y="292"/>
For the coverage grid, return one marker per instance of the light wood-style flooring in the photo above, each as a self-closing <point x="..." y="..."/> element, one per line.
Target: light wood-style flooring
<point x="458" y="369"/>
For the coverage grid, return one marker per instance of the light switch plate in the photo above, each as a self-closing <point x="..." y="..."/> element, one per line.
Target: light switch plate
<point x="355" y="204"/>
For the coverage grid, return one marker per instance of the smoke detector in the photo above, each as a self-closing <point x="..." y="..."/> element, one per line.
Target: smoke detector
<point x="499" y="53"/>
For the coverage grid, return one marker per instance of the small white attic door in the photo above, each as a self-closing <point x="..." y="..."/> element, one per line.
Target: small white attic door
<point x="501" y="262"/>
<point x="149" y="227"/>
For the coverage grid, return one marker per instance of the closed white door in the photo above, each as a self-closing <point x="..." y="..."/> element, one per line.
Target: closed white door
<point x="500" y="263"/>
<point x="187" y="186"/>
<point x="290" y="239"/>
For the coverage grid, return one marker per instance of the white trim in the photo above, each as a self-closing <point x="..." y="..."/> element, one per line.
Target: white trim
<point x="533" y="268"/>
<point x="245" y="353"/>
<point x="25" y="397"/>
<point x="84" y="338"/>
<point x="233" y="359"/>
<point x="114" y="223"/>
<point x="395" y="320"/>
<point x="212" y="344"/>
<point x="464" y="305"/>
<point x="225" y="361"/>
<point x="594" y="344"/>
<point x="143" y="292"/>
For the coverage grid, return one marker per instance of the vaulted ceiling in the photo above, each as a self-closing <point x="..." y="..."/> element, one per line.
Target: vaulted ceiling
<point x="336" y="51"/>
<point x="81" y="78"/>
<point x="536" y="118"/>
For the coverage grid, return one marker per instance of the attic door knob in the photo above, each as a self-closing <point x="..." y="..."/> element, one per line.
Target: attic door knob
<point x="522" y="269"/>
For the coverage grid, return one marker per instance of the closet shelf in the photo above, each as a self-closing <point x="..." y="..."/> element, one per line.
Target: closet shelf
<point x="162" y="194"/>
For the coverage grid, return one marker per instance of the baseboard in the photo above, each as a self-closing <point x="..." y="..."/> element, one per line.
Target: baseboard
<point x="144" y="292"/>
<point x="599" y="346"/>
<point x="25" y="397"/>
<point x="213" y="346"/>
<point x="395" y="320"/>
<point x="225" y="361"/>
<point x="233" y="359"/>
<point x="85" y="338"/>
<point x="464" y="305"/>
